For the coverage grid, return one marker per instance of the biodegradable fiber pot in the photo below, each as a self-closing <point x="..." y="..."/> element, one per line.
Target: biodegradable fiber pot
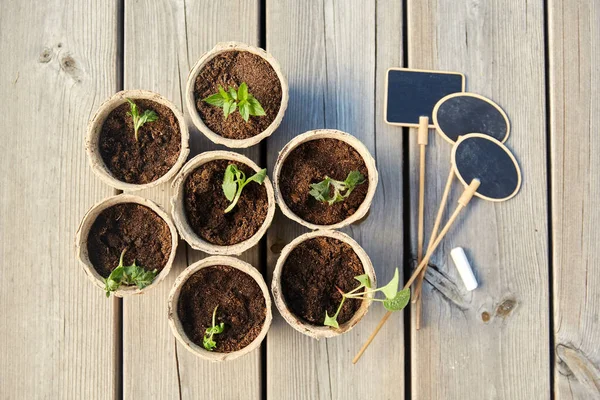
<point x="191" y="100"/>
<point x="180" y="216"/>
<point x="175" y="322"/>
<point x="315" y="331"/>
<point x="81" y="241"/>
<point x="362" y="150"/>
<point x="94" y="130"/>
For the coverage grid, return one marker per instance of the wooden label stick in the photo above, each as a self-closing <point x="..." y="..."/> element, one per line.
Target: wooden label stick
<point x="422" y="140"/>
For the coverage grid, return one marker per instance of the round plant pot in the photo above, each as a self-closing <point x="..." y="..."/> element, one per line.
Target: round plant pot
<point x="179" y="213"/>
<point x="314" y="331"/>
<point x="95" y="128"/>
<point x="81" y="241"/>
<point x="175" y="322"/>
<point x="362" y="150"/>
<point x="191" y="101"/>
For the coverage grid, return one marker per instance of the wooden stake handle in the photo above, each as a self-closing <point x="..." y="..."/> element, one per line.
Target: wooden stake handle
<point x="422" y="140"/>
<point x="434" y="232"/>
<point x="463" y="201"/>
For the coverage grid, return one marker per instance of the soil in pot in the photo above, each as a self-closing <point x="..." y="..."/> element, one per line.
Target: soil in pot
<point x="309" y="163"/>
<point x="134" y="227"/>
<point x="152" y="155"/>
<point x="310" y="275"/>
<point x="231" y="69"/>
<point x="240" y="301"/>
<point x="205" y="204"/>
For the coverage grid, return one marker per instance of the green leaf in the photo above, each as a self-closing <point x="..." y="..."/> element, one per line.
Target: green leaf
<point x="399" y="301"/>
<point x="138" y="121"/>
<point x="245" y="111"/>
<point x="128" y="275"/>
<point x="258" y="177"/>
<point x="208" y="341"/>
<point x="391" y="289"/>
<point x="354" y="179"/>
<point x="229" y="184"/>
<point x="243" y="91"/>
<point x="320" y="190"/>
<point x="331" y="321"/>
<point x="215" y="100"/>
<point x="224" y="94"/>
<point x="255" y="107"/>
<point x="233" y="93"/>
<point x="364" y="280"/>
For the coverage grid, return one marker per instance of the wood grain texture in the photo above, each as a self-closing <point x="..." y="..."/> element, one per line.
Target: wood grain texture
<point x="56" y="326"/>
<point x="574" y="56"/>
<point x="492" y="342"/>
<point x="335" y="55"/>
<point x="163" y="39"/>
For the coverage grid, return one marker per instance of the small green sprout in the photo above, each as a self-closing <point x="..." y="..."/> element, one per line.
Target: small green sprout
<point x="139" y="120"/>
<point x="322" y="192"/>
<point x="394" y="300"/>
<point x="241" y="100"/>
<point x="128" y="275"/>
<point x="208" y="341"/>
<point x="235" y="180"/>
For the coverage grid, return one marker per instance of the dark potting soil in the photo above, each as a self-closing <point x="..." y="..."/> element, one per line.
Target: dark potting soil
<point x="309" y="163"/>
<point x="205" y="204"/>
<point x="231" y="69"/>
<point x="134" y="227"/>
<point x="241" y="307"/>
<point x="152" y="155"/>
<point x="310" y="275"/>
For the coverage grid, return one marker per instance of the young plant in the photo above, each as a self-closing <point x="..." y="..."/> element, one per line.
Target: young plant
<point x="139" y="120"/>
<point x="241" y="100"/>
<point x="341" y="190"/>
<point x="128" y="275"/>
<point x="208" y="341"/>
<point x="394" y="300"/>
<point x="235" y="181"/>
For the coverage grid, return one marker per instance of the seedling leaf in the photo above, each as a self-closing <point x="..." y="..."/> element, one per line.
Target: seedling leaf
<point x="321" y="191"/>
<point x="128" y="275"/>
<point x="208" y="342"/>
<point x="331" y="321"/>
<point x="391" y="289"/>
<point x="231" y="100"/>
<point x="399" y="301"/>
<point x="139" y="120"/>
<point x="364" y="280"/>
<point x="234" y="182"/>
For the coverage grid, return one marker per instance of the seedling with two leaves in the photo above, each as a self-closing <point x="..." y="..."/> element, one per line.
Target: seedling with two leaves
<point x="208" y="342"/>
<point x="341" y="189"/>
<point x="394" y="300"/>
<point x="140" y="120"/>
<point x="128" y="275"/>
<point x="231" y="100"/>
<point x="234" y="182"/>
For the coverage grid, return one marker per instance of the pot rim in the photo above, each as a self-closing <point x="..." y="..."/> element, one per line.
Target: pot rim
<point x="373" y="178"/>
<point x="219" y="48"/>
<point x="94" y="129"/>
<point x="179" y="214"/>
<point x="314" y="331"/>
<point x="81" y="239"/>
<point x="173" y="300"/>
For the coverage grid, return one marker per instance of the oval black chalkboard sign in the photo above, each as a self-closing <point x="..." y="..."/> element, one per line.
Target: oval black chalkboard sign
<point x="477" y="156"/>
<point x="463" y="113"/>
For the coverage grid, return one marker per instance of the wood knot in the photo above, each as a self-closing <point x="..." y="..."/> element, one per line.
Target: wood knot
<point x="485" y="316"/>
<point x="277" y="247"/>
<point x="45" y="56"/>
<point x="506" y="307"/>
<point x="68" y="64"/>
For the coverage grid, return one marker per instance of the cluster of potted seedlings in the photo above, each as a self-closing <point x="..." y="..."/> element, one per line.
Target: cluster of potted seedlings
<point x="223" y="203"/>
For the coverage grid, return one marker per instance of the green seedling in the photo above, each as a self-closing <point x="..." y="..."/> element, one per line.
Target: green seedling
<point x="139" y="120"/>
<point x="128" y="275"/>
<point x="232" y="100"/>
<point x="235" y="181"/>
<point x="394" y="300"/>
<point x="208" y="342"/>
<point x="341" y="190"/>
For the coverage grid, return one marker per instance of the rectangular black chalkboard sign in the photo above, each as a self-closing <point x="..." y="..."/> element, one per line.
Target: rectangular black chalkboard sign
<point x="413" y="93"/>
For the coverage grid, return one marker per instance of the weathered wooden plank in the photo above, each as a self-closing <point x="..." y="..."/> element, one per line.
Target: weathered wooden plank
<point x="163" y="39"/>
<point x="574" y="48"/>
<point x="56" y="327"/>
<point x="335" y="60"/>
<point x="493" y="342"/>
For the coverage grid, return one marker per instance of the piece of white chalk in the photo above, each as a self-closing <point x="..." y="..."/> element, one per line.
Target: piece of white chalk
<point x="464" y="268"/>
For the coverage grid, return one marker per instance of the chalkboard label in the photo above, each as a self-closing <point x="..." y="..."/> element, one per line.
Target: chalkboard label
<point x="477" y="156"/>
<point x="463" y="113"/>
<point x="412" y="93"/>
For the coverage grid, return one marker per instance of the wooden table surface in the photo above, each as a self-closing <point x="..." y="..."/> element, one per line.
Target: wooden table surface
<point x="532" y="329"/>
